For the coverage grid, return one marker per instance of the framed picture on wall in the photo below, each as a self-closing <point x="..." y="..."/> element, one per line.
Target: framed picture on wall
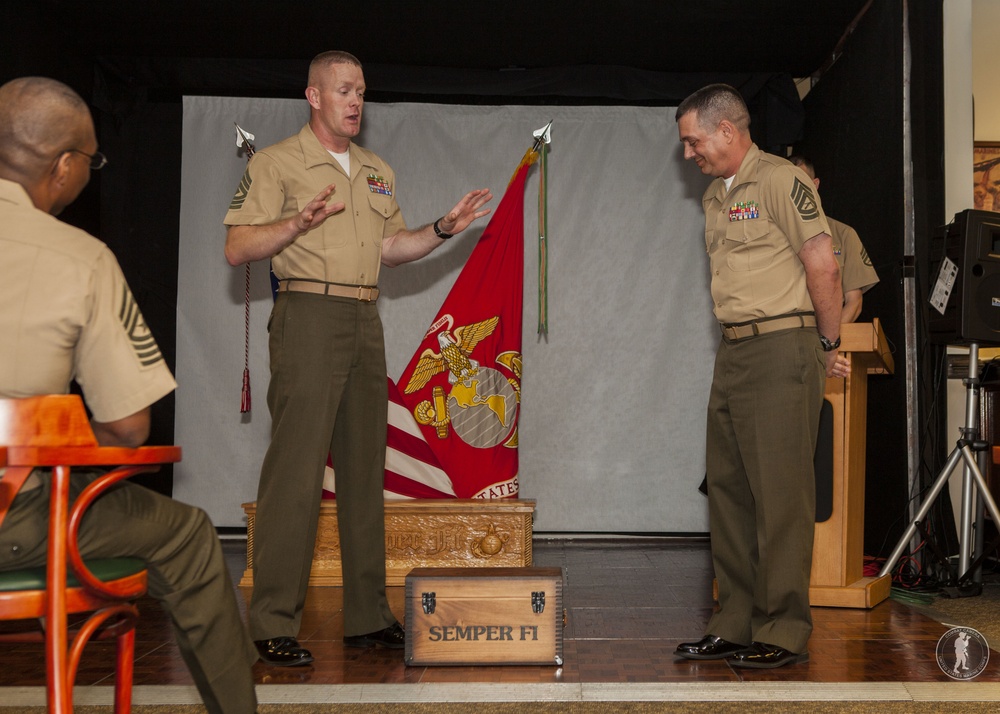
<point x="986" y="175"/>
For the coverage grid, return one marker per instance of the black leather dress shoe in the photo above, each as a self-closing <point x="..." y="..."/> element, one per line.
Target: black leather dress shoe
<point x="392" y="637"/>
<point x="283" y="652"/>
<point x="708" y="647"/>
<point x="764" y="656"/>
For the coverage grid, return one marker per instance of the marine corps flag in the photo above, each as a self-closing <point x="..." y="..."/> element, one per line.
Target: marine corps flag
<point x="463" y="384"/>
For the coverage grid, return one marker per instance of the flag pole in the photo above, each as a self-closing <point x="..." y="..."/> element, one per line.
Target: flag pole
<point x="542" y="139"/>
<point x="540" y="148"/>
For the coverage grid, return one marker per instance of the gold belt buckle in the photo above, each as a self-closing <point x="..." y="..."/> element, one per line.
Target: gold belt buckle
<point x="361" y="295"/>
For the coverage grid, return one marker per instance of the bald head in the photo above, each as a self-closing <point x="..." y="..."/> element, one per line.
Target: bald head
<point x="39" y="118"/>
<point x="46" y="141"/>
<point x="321" y="64"/>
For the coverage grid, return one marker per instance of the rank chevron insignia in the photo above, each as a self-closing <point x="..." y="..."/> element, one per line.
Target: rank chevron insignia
<point x="241" y="191"/>
<point x="804" y="201"/>
<point x="138" y="333"/>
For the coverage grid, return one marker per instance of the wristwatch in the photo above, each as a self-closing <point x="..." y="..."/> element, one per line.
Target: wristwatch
<point x="440" y="233"/>
<point x="827" y="345"/>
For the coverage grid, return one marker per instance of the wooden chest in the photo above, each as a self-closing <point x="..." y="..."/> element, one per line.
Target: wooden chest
<point x="424" y="533"/>
<point x="469" y="616"/>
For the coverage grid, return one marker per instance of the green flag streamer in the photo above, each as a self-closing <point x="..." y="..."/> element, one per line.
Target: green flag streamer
<point x="543" y="138"/>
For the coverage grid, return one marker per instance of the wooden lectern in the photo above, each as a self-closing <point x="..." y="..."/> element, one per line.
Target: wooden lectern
<point x="838" y="548"/>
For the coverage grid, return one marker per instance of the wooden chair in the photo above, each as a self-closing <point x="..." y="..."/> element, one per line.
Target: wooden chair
<point x="53" y="432"/>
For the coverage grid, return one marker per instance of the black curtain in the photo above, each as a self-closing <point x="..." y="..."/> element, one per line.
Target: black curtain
<point x="854" y="134"/>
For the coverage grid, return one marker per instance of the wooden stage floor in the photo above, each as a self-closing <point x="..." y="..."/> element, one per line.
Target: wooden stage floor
<point x="628" y="603"/>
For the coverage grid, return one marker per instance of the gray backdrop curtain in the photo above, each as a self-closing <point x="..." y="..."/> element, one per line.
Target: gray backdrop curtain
<point x="613" y="399"/>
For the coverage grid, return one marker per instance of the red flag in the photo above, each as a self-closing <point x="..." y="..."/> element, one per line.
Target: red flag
<point x="463" y="383"/>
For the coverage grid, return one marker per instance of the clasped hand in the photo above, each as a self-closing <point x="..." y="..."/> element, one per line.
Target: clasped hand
<point x="837" y="365"/>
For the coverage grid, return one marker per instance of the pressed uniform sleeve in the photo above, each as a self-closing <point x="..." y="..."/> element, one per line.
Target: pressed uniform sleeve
<point x="858" y="271"/>
<point x="117" y="362"/>
<point x="794" y="206"/>
<point x="260" y="197"/>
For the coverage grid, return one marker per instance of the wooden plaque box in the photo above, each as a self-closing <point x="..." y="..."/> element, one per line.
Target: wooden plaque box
<point x="464" y="533"/>
<point x="461" y="616"/>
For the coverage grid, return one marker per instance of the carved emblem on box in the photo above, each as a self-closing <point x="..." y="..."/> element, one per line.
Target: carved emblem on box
<point x="490" y="544"/>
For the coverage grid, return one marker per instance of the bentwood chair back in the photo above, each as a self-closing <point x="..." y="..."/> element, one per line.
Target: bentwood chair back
<point x="53" y="433"/>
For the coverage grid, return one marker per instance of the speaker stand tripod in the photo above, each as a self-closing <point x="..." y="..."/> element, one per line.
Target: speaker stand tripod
<point x="964" y="448"/>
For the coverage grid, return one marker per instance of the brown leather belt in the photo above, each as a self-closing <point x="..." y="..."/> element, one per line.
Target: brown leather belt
<point x="364" y="293"/>
<point x="743" y="330"/>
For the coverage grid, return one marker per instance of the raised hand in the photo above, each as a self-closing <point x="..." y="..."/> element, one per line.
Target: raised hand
<point x="318" y="210"/>
<point x="466" y="211"/>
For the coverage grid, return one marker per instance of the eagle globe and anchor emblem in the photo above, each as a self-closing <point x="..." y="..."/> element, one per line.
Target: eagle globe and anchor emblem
<point x="481" y="405"/>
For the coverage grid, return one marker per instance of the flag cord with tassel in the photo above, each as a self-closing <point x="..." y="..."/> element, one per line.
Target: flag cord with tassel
<point x="243" y="141"/>
<point x="245" y="393"/>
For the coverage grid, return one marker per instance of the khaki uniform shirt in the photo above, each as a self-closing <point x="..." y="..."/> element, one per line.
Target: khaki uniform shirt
<point x="347" y="247"/>
<point x="67" y="313"/>
<point x="753" y="234"/>
<point x="856" y="270"/>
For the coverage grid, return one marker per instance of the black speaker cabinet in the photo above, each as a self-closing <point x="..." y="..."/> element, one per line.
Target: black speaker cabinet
<point x="964" y="304"/>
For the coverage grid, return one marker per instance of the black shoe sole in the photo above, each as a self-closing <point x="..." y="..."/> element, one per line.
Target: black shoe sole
<point x="301" y="661"/>
<point x="296" y="663"/>
<point x="706" y="657"/>
<point x="797" y="659"/>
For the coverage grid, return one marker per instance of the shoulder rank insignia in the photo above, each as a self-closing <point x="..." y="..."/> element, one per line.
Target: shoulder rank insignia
<point x="241" y="191"/>
<point x="804" y="201"/>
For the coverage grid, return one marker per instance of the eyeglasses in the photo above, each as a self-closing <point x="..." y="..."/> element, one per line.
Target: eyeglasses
<point x="97" y="160"/>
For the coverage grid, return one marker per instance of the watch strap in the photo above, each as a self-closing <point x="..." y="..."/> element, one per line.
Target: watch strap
<point x="440" y="233"/>
<point x="829" y="346"/>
